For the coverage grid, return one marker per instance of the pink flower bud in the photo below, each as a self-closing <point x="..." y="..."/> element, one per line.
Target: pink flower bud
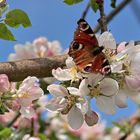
<point x="121" y="47"/>
<point x="42" y="41"/>
<point x="132" y="82"/>
<point x="4" y="83"/>
<point x="91" y="118"/>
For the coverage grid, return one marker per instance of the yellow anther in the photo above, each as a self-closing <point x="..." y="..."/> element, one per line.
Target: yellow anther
<point x="24" y="95"/>
<point x="95" y="92"/>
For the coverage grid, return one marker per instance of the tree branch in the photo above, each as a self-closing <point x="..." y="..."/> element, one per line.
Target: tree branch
<point x="13" y="120"/>
<point x="113" y="13"/>
<point x="39" y="67"/>
<point x="84" y="14"/>
<point x="102" y="19"/>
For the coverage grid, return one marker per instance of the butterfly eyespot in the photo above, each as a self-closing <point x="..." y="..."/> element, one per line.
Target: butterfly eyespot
<point x="84" y="26"/>
<point x="106" y="70"/>
<point x="88" y="68"/>
<point x="77" y="46"/>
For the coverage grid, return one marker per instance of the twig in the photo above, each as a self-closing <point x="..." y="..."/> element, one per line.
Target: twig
<point x="84" y="14"/>
<point x="102" y="19"/>
<point x="13" y="120"/>
<point x="40" y="67"/>
<point x="32" y="127"/>
<point x="113" y="13"/>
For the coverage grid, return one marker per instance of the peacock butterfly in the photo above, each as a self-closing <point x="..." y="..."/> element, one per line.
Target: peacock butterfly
<point x="86" y="52"/>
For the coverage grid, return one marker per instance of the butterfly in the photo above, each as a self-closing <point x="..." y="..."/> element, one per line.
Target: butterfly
<point x="86" y="52"/>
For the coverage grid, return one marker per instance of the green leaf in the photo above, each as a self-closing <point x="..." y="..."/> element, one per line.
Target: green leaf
<point x="113" y="3"/>
<point x="5" y="133"/>
<point x="71" y="2"/>
<point x="94" y="5"/>
<point x="17" y="17"/>
<point x="5" y="33"/>
<point x="42" y="136"/>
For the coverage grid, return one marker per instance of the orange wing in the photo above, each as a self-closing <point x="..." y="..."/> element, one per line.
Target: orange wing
<point x="85" y="51"/>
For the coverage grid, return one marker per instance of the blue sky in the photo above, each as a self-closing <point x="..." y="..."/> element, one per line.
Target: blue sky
<point x="57" y="21"/>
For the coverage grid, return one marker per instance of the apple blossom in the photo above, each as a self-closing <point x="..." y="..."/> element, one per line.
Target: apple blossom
<point x="28" y="91"/>
<point x="40" y="47"/>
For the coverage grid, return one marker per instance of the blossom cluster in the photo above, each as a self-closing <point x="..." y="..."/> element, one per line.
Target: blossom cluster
<point x="39" y="48"/>
<point x="73" y="94"/>
<point x="19" y="98"/>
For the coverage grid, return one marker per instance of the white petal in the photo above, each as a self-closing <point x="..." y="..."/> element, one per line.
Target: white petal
<point x="135" y="64"/>
<point x="107" y="40"/>
<point x="106" y="104"/>
<point x="70" y="63"/>
<point x="75" y="118"/>
<point x="109" y="86"/>
<point x="83" y="88"/>
<point x="135" y="96"/>
<point x="116" y="66"/>
<point x="55" y="104"/>
<point x="91" y="118"/>
<point x="121" y="99"/>
<point x="93" y="79"/>
<point x="57" y="90"/>
<point x="27" y="112"/>
<point x="49" y="80"/>
<point x="62" y="74"/>
<point x="74" y="91"/>
<point x="84" y="106"/>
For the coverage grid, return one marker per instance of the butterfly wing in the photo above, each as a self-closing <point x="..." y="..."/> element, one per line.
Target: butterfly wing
<point x="85" y="50"/>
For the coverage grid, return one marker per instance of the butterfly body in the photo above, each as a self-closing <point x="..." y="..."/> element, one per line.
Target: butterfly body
<point x="85" y="51"/>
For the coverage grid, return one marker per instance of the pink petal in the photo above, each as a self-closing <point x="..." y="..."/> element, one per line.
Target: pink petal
<point x="121" y="47"/>
<point x="132" y="82"/>
<point x="91" y="118"/>
<point x="62" y="74"/>
<point x="4" y="83"/>
<point x="27" y="112"/>
<point x="57" y="90"/>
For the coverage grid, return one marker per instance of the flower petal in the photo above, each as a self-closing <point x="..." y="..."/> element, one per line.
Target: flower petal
<point x="93" y="79"/>
<point x="83" y="88"/>
<point x="109" y="86"/>
<point x="57" y="90"/>
<point x="62" y="74"/>
<point x="121" y="99"/>
<point x="106" y="104"/>
<point x="75" y="118"/>
<point x="135" y="96"/>
<point x="133" y="82"/>
<point x="55" y="104"/>
<point x="73" y="91"/>
<point x="49" y="80"/>
<point x="91" y="118"/>
<point x="135" y="64"/>
<point x="27" y="112"/>
<point x="4" y="83"/>
<point x="70" y="63"/>
<point x="107" y="40"/>
<point x="121" y="47"/>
